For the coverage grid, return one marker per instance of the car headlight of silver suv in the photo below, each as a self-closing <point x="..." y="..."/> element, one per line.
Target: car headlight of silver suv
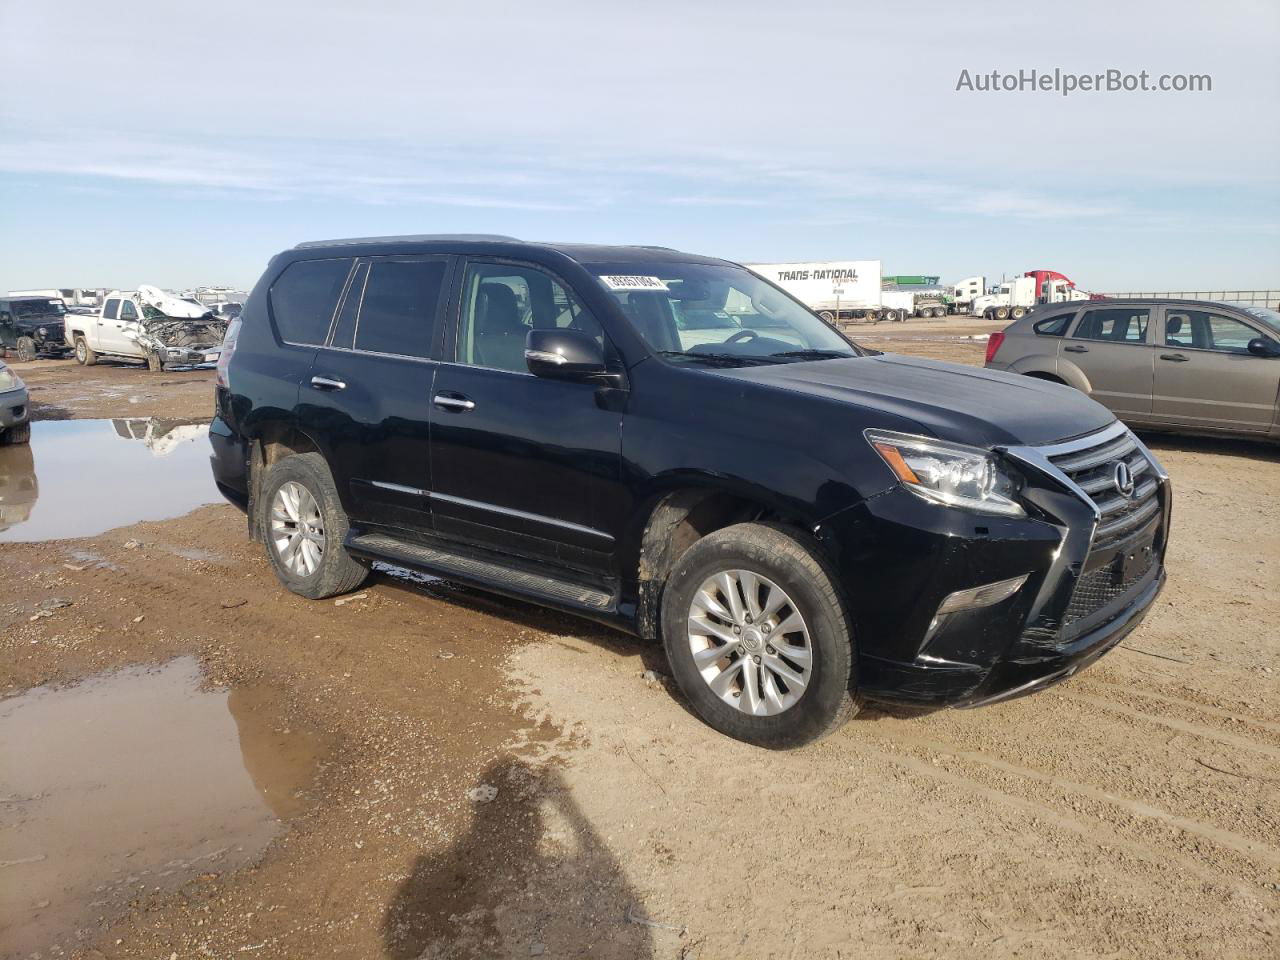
<point x="948" y="473"/>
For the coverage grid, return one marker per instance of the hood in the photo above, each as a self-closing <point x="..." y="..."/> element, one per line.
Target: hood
<point x="949" y="402"/>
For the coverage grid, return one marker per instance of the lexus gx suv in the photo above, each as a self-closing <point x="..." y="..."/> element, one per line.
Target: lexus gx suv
<point x="671" y="445"/>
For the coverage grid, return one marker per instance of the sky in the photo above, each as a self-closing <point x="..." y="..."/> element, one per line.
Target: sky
<point x="182" y="144"/>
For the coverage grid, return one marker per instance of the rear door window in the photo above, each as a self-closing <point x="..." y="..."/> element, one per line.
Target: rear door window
<point x="398" y="311"/>
<point x="112" y="310"/>
<point x="1114" y="325"/>
<point x="304" y="297"/>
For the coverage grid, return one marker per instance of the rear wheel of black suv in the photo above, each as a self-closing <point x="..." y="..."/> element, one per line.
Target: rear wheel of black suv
<point x="303" y="526"/>
<point x="757" y="637"/>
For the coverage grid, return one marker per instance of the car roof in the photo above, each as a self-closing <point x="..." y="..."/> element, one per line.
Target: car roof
<point x="483" y="243"/>
<point x="29" y="297"/>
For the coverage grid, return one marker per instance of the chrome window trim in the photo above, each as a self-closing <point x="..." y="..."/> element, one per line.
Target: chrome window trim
<point x="371" y="353"/>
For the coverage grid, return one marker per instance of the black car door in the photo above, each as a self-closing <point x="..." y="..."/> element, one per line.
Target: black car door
<point x="369" y="391"/>
<point x="522" y="464"/>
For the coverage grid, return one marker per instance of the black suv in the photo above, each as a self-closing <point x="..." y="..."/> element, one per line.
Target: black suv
<point x="802" y="522"/>
<point x="33" y="327"/>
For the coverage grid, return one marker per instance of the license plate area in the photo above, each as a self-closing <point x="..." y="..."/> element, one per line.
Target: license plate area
<point x="1132" y="562"/>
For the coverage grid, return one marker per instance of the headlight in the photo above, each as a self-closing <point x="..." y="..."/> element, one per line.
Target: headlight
<point x="8" y="379"/>
<point x="948" y="473"/>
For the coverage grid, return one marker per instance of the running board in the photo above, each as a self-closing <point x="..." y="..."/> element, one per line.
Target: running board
<point x="504" y="579"/>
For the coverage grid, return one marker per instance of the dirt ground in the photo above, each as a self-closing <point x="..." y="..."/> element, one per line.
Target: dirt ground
<point x="64" y="390"/>
<point x="1132" y="811"/>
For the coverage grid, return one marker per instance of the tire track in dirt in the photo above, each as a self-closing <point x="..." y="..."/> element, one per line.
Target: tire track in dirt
<point x="1252" y="850"/>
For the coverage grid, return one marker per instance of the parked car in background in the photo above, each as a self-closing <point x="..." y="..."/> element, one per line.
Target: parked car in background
<point x="801" y="522"/>
<point x="32" y="327"/>
<point x="15" y="407"/>
<point x="1185" y="365"/>
<point x="147" y="324"/>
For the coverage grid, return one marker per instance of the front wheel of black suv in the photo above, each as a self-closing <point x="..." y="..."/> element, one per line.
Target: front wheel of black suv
<point x="303" y="526"/>
<point x="757" y="637"/>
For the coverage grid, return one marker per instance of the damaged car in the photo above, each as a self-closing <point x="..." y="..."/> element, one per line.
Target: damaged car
<point x="148" y="324"/>
<point x="32" y="327"/>
<point x="801" y="522"/>
<point x="15" y="408"/>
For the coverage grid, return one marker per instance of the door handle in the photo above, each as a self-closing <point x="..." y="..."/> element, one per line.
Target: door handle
<point x="1175" y="357"/>
<point x="1075" y="348"/>
<point x="453" y="403"/>
<point x="327" y="383"/>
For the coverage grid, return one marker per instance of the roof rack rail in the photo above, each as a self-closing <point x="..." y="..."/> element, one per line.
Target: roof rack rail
<point x="654" y="246"/>
<point x="412" y="238"/>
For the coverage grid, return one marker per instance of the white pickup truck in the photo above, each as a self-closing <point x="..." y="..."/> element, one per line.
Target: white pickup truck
<point x="147" y="324"/>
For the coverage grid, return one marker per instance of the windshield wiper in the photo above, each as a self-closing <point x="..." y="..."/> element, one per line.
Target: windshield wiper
<point x="720" y="359"/>
<point x="815" y="355"/>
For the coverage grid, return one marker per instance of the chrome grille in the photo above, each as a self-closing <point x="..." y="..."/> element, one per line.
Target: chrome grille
<point x="1093" y="470"/>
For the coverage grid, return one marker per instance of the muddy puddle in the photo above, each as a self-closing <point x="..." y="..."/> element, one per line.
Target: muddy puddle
<point x="130" y="783"/>
<point x="78" y="478"/>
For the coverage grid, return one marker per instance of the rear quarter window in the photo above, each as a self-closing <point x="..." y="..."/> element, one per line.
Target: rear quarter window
<point x="1053" y="326"/>
<point x="303" y="298"/>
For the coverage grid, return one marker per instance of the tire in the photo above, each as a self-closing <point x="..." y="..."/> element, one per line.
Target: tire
<point x="154" y="363"/>
<point x="26" y="349"/>
<point x="827" y="315"/>
<point x="895" y="316"/>
<point x="939" y="311"/>
<point x="15" y="435"/>
<point x="1017" y="313"/>
<point x="1002" y="313"/>
<point x="784" y="562"/>
<point x="85" y="355"/>
<point x="334" y="570"/>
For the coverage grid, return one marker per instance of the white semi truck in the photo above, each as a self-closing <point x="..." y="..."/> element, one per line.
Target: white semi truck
<point x="1014" y="298"/>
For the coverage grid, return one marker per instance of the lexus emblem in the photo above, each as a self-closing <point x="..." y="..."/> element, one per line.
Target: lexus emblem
<point x="1123" y="480"/>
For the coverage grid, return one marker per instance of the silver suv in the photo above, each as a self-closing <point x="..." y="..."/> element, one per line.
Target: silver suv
<point x="1187" y="365"/>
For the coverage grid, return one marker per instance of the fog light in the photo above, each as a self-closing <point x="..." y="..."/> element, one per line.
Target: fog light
<point x="983" y="596"/>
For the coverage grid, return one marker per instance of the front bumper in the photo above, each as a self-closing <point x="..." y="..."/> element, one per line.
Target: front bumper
<point x="900" y="557"/>
<point x="15" y="408"/>
<point x="191" y="356"/>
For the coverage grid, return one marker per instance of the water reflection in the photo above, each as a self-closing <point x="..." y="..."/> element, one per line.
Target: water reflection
<point x="18" y="488"/>
<point x="95" y="475"/>
<point x="130" y="779"/>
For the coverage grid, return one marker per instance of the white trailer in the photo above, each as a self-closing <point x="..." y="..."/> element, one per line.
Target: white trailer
<point x="833" y="289"/>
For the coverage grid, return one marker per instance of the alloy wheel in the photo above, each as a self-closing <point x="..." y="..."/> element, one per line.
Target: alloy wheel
<point x="297" y="529"/>
<point x="750" y="643"/>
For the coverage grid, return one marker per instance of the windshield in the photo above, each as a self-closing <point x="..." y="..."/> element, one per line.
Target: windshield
<point x="717" y="313"/>
<point x="38" y="308"/>
<point x="1269" y="317"/>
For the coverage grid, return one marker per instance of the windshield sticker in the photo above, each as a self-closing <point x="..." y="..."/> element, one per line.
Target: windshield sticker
<point x="635" y="283"/>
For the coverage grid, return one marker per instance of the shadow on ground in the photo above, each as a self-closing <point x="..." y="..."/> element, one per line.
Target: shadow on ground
<point x="530" y="876"/>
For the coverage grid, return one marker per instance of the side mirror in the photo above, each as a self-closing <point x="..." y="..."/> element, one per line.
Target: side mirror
<point x="1264" y="347"/>
<point x="563" y="355"/>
